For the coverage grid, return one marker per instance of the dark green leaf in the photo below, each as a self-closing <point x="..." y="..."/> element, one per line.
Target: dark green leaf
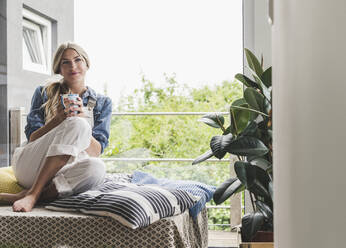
<point x="267" y="106"/>
<point x="253" y="62"/>
<point x="250" y="158"/>
<point x="240" y="189"/>
<point x="261" y="163"/>
<point x="214" y="120"/>
<point x="270" y="134"/>
<point x="246" y="81"/>
<point x="247" y="146"/>
<point x="255" y="99"/>
<point x="239" y="102"/>
<point x="218" y="145"/>
<point x="239" y="117"/>
<point x="227" y="131"/>
<point x="271" y="191"/>
<point x="252" y="177"/>
<point x="267" y="77"/>
<point x="251" y="110"/>
<point x="250" y="224"/>
<point x="203" y="157"/>
<point x="262" y="132"/>
<point x="226" y="189"/>
<point x="266" y="91"/>
<point x="250" y="129"/>
<point x="265" y="209"/>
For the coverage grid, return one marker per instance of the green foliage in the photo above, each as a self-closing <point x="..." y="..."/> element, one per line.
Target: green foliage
<point x="171" y="136"/>
<point x="249" y="136"/>
<point x="168" y="136"/>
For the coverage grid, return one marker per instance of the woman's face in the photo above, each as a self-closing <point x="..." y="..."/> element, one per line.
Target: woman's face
<point x="73" y="67"/>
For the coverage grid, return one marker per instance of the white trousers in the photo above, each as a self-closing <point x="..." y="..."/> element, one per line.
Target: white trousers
<point x="71" y="137"/>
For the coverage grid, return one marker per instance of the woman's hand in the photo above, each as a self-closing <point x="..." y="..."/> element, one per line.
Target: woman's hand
<point x="73" y="108"/>
<point x="61" y="114"/>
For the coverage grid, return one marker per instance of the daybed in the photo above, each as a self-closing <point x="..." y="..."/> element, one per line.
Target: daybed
<point x="42" y="228"/>
<point x="45" y="228"/>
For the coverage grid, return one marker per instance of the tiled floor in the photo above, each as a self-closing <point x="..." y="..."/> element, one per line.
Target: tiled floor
<point x="222" y="239"/>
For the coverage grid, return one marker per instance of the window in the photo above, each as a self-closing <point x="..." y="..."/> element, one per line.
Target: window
<point x="36" y="42"/>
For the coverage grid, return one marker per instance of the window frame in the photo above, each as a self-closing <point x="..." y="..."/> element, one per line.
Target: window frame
<point x="43" y="29"/>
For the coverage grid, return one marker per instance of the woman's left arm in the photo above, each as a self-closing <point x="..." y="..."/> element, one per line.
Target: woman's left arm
<point x="101" y="129"/>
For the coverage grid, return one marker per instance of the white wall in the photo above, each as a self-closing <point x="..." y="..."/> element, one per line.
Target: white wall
<point x="257" y="31"/>
<point x="309" y="51"/>
<point x="16" y="84"/>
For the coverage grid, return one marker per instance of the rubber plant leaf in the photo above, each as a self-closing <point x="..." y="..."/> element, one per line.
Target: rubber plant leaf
<point x="251" y="224"/>
<point x="246" y="146"/>
<point x="254" y="99"/>
<point x="265" y="209"/>
<point x="215" y="120"/>
<point x="266" y="91"/>
<point x="253" y="177"/>
<point x="226" y="190"/>
<point x="246" y="81"/>
<point x="253" y="62"/>
<point x="239" y="117"/>
<point x="271" y="191"/>
<point x="267" y="77"/>
<point x="227" y="130"/>
<point x="261" y="163"/>
<point x="250" y="129"/>
<point x="203" y="157"/>
<point x="218" y="145"/>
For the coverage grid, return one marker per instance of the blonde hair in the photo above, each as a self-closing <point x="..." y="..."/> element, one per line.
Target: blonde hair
<point x="55" y="89"/>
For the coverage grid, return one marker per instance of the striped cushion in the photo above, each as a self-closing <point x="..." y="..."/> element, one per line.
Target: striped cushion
<point x="132" y="205"/>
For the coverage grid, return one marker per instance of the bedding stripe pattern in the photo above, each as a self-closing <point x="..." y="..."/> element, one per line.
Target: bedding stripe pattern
<point x="132" y="205"/>
<point x="204" y="191"/>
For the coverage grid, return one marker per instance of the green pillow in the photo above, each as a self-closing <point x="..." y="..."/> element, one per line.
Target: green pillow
<point x="8" y="182"/>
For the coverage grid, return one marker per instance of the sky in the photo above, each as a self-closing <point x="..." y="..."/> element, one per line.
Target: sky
<point x="200" y="41"/>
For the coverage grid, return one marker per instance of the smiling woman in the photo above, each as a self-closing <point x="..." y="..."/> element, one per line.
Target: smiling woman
<point x="64" y="139"/>
<point x="73" y="66"/>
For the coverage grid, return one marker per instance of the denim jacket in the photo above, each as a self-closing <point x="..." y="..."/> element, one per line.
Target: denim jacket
<point x="102" y="114"/>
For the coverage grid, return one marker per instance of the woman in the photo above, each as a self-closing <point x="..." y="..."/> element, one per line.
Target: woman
<point x="64" y="143"/>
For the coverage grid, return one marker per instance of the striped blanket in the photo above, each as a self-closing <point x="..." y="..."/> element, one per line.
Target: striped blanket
<point x="132" y="204"/>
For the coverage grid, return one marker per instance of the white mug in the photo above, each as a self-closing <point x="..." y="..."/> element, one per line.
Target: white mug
<point x="69" y="97"/>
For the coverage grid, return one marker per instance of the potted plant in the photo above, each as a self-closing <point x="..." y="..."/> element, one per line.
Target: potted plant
<point x="249" y="137"/>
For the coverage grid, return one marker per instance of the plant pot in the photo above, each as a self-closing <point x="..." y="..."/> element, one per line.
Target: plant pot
<point x="262" y="239"/>
<point x="257" y="245"/>
<point x="263" y="236"/>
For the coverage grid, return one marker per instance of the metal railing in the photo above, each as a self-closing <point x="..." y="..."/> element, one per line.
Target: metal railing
<point x="167" y="113"/>
<point x="160" y="160"/>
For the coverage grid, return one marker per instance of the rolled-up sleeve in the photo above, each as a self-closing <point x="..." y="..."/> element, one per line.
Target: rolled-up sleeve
<point x="102" y="122"/>
<point x="35" y="118"/>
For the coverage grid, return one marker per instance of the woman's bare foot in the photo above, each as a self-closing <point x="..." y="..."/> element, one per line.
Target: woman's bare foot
<point x="13" y="197"/>
<point x="25" y="204"/>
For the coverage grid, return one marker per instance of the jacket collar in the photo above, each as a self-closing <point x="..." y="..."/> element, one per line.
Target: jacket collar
<point x="90" y="92"/>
